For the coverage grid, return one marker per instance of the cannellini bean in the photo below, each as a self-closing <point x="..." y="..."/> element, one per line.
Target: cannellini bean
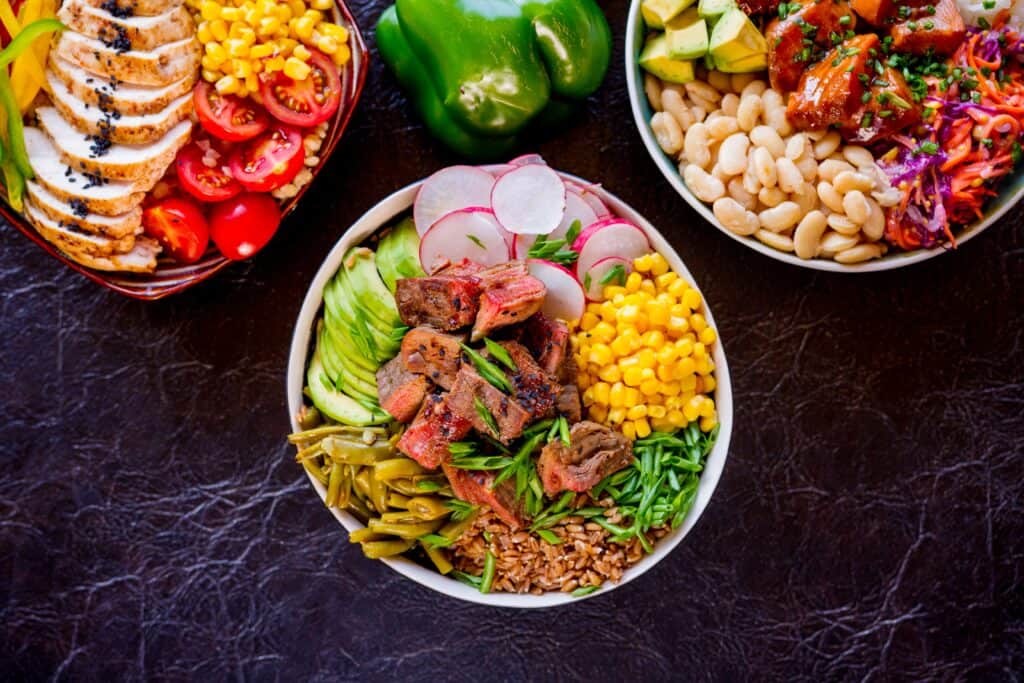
<point x="667" y="132"/>
<point x="829" y="197"/>
<point x="807" y="197"/>
<point x="856" y="206"/>
<point x="858" y="156"/>
<point x="796" y="146"/>
<point x="766" y="136"/>
<point x="672" y="103"/>
<point x="719" y="81"/>
<point x="859" y="253"/>
<point x="717" y="171"/>
<point x="874" y="226"/>
<point x="808" y="234"/>
<point x="842" y="224"/>
<point x="764" y="167"/>
<point x="722" y="127"/>
<point x="704" y="186"/>
<point x="652" y="88"/>
<point x="772" y="98"/>
<point x="702" y="90"/>
<point x="847" y="181"/>
<point x="732" y="155"/>
<point x="755" y="87"/>
<point x="740" y="194"/>
<point x="734" y="217"/>
<point x="771" y="196"/>
<point x="750" y="182"/>
<point x="781" y="217"/>
<point x="789" y="176"/>
<point x="774" y="240"/>
<point x="888" y="197"/>
<point x="824" y="147"/>
<point x="830" y="168"/>
<point x="808" y="167"/>
<point x="740" y="81"/>
<point x="695" y="144"/>
<point x="748" y="112"/>
<point x="776" y="118"/>
<point x="815" y="135"/>
<point x="832" y="242"/>
<point x="699" y="113"/>
<point x="730" y="104"/>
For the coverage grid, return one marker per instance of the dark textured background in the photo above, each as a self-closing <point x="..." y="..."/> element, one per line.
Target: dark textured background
<point x="868" y="524"/>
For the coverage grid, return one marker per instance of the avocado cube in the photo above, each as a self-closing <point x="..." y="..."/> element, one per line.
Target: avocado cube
<point x="687" y="36"/>
<point x="712" y="10"/>
<point x="735" y="38"/>
<point x="654" y="58"/>
<point x="751" y="64"/>
<point x="657" y="13"/>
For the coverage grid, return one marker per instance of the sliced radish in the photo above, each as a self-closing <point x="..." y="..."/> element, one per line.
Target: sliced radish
<point x="529" y="200"/>
<point x="528" y="159"/>
<point x="450" y="189"/>
<point x="471" y="233"/>
<point x="599" y="271"/>
<point x="576" y="209"/>
<point x="565" y="299"/>
<point x="591" y="197"/>
<point x="499" y="170"/>
<point x="609" y="237"/>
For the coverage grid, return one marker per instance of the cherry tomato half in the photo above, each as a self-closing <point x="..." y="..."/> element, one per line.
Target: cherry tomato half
<point x="304" y="103"/>
<point x="179" y="225"/>
<point x="202" y="181"/>
<point x="227" y="117"/>
<point x="269" y="161"/>
<point x="243" y="225"/>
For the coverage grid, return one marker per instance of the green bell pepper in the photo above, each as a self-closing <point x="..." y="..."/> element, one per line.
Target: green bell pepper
<point x="482" y="72"/>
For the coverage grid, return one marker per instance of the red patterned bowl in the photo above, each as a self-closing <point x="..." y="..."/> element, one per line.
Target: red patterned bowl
<point x="169" y="277"/>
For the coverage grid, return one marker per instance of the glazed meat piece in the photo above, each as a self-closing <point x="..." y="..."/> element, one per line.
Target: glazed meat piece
<point x="830" y="91"/>
<point x="548" y="341"/>
<point x="755" y="7"/>
<point x="535" y="390"/>
<point x="511" y="295"/>
<point x="788" y="54"/>
<point x="401" y="392"/>
<point x="875" y="12"/>
<point x="942" y="31"/>
<point x="475" y="487"/>
<point x="568" y="403"/>
<point x="890" y="109"/>
<point x="435" y="354"/>
<point x="594" y="452"/>
<point x="469" y="389"/>
<point x="435" y="428"/>
<point x="444" y="302"/>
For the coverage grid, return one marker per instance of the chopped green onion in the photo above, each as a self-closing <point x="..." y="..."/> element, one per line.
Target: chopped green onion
<point x="550" y="536"/>
<point x="499" y="352"/>
<point x="486" y="416"/>
<point x="585" y="590"/>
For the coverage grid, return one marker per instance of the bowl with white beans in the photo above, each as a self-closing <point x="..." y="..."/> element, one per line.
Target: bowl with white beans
<point x="807" y="197"/>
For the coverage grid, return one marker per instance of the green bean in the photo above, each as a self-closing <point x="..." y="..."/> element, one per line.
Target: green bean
<point x="400" y="517"/>
<point x="404" y="486"/>
<point x="362" y="483"/>
<point x="378" y="492"/>
<point x="327" y="430"/>
<point x="309" y="452"/>
<point x="356" y="505"/>
<point x="428" y="508"/>
<point x="378" y="549"/>
<point x="397" y="468"/>
<point x="364" y="534"/>
<point x="313" y="469"/>
<point x="397" y="500"/>
<point x="453" y="530"/>
<point x="355" y="452"/>
<point x="411" y="531"/>
<point x="333" y="486"/>
<point x="345" y="492"/>
<point x="437" y="557"/>
<point x="309" y="417"/>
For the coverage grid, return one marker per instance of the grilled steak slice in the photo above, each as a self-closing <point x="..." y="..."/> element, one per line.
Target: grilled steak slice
<point x="595" y="451"/>
<point x="434" y="354"/>
<point x="547" y="339"/>
<point x="445" y="302"/>
<point x="436" y="426"/>
<point x="830" y="91"/>
<point x="788" y="54"/>
<point x="401" y="392"/>
<point x="568" y="403"/>
<point x="946" y="32"/>
<point x="535" y="390"/>
<point x="511" y="295"/>
<point x="463" y="268"/>
<point x="469" y="387"/>
<point x="475" y="487"/>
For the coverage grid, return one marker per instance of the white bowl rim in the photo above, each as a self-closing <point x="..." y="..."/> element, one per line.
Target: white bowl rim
<point x="890" y="261"/>
<point x="383" y="213"/>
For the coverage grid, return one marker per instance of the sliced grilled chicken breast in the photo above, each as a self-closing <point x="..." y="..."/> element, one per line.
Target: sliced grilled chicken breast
<point x="162" y="66"/>
<point x="139" y="8"/>
<point x="123" y="129"/>
<point x="130" y="100"/>
<point x="76" y="214"/>
<point x="70" y="241"/>
<point x="104" y="197"/>
<point x="141" y="164"/>
<point x="134" y="32"/>
<point x="141" y="258"/>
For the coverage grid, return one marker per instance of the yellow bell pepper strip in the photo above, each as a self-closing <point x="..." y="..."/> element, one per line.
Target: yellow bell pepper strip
<point x="15" y="128"/>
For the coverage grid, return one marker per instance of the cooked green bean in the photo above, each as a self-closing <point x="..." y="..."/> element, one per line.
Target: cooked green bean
<point x="405" y="487"/>
<point x="353" y="452"/>
<point x="309" y="418"/>
<point x="397" y="500"/>
<point x="453" y="530"/>
<point x="362" y="483"/>
<point x="401" y="517"/>
<point x="378" y="493"/>
<point x="411" y="531"/>
<point x="397" y="468"/>
<point x="334" y="482"/>
<point x="438" y="558"/>
<point x="309" y="452"/>
<point x="315" y="470"/>
<point x="364" y="534"/>
<point x="320" y="432"/>
<point x="428" y="508"/>
<point x="378" y="549"/>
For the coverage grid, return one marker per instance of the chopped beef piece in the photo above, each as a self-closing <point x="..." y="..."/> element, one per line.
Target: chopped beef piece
<point x="510" y="417"/>
<point x="535" y="390"/>
<point x="889" y="93"/>
<point x="942" y="31"/>
<point x="788" y="54"/>
<point x="830" y="91"/>
<point x="568" y="403"/>
<point x="434" y="354"/>
<point x="475" y="487"/>
<point x="548" y="341"/>
<point x="595" y="451"/>
<point x="511" y="295"/>
<point x="401" y="392"/>
<point x="498" y="275"/>
<point x="444" y="302"/>
<point x="463" y="268"/>
<point x="436" y="427"/>
<point x="568" y="371"/>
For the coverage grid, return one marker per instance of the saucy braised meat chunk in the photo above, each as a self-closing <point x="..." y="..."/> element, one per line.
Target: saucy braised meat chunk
<point x="890" y="109"/>
<point x="830" y="91"/>
<point x="436" y="355"/>
<point x="474" y="487"/>
<point x="788" y="53"/>
<point x="754" y="7"/>
<point x="594" y="452"/>
<point x="435" y="428"/>
<point x="401" y="392"/>
<point x="442" y="301"/>
<point x="470" y="389"/>
<point x="937" y="26"/>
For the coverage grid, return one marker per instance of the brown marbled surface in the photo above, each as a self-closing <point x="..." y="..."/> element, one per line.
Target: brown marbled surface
<point x="869" y="524"/>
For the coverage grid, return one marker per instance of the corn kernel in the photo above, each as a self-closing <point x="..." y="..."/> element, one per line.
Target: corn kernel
<point x="604" y="332"/>
<point x="616" y="415"/>
<point x="227" y="85"/>
<point x="296" y="69"/>
<point x="692" y="408"/>
<point x="621" y="346"/>
<point x="241" y="68"/>
<point x="601" y="393"/>
<point x="659" y="266"/>
<point x="646" y="358"/>
<point x="210" y="65"/>
<point x="326" y="44"/>
<point x="649" y="388"/>
<point x="643" y="263"/>
<point x="685" y="366"/>
<point x="273" y="64"/>
<point x="688" y="383"/>
<point x="708" y="336"/>
<point x="588" y="321"/>
<point x="676" y="418"/>
<point x="665" y="279"/>
<point x="600" y="354"/>
<point x="643" y="428"/>
<point x="708" y="384"/>
<point x="298" y="7"/>
<point x="657" y="412"/>
<point x="647" y="287"/>
<point x="283" y="13"/>
<point x="210" y="75"/>
<point x="633" y="282"/>
<point x="632" y="397"/>
<point x="665" y="373"/>
<point x="657" y="312"/>
<point x="209" y="10"/>
<point x="629" y="430"/>
<point x="314" y="15"/>
<point x="302" y="52"/>
<point x="203" y="32"/>
<point x="699" y="350"/>
<point x="322" y="5"/>
<point x="261" y="51"/>
<point x="653" y="339"/>
<point x="232" y="14"/>
<point x="608" y="311"/>
<point x="617" y="395"/>
<point x="633" y="377"/>
<point x="269" y="26"/>
<point x="598" y="413"/>
<point x="698" y="323"/>
<point x="303" y="27"/>
<point x="236" y="49"/>
<point x="708" y="423"/>
<point x="677" y="325"/>
<point x="587" y="396"/>
<point x="667" y="354"/>
<point x="684" y="347"/>
<point x="610" y="373"/>
<point x="219" y="29"/>
<point x="636" y="412"/>
<point x="339" y="33"/>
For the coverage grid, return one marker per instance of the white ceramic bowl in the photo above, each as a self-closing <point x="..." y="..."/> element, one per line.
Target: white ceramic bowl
<point x="384" y="214"/>
<point x="1012" y="189"/>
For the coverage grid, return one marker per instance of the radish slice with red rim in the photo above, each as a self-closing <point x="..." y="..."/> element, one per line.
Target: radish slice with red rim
<point x="608" y="237"/>
<point x="528" y="159"/>
<point x="597" y="278"/>
<point x="591" y="198"/>
<point x="564" y="299"/>
<point x="450" y="189"/>
<point x="529" y="200"/>
<point x="576" y="209"/>
<point x="471" y="233"/>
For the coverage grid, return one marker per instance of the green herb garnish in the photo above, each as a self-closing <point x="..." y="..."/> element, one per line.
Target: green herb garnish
<point x="461" y="510"/>
<point x="489" y="371"/>
<point x="550" y="536"/>
<point x="617" y="275"/>
<point x="475" y="240"/>
<point x="431" y="541"/>
<point x="487" y="579"/>
<point x="486" y="416"/>
<point x="585" y="590"/>
<point x="499" y="352"/>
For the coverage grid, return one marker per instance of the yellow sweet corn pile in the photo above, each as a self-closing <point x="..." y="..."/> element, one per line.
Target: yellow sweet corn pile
<point x="244" y="38"/>
<point x="644" y="354"/>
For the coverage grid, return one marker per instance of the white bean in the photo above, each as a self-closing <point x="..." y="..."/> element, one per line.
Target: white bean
<point x="807" y="197"/>
<point x="750" y="182"/>
<point x="859" y="253"/>
<point x="832" y="243"/>
<point x="858" y="156"/>
<point x="780" y="218"/>
<point x="815" y="135"/>
<point x="847" y="181"/>
<point x="701" y="90"/>
<point x="774" y="240"/>
<point x="667" y="132"/>
<point x="842" y="224"/>
<point x="672" y="103"/>
<point x="808" y="234"/>
<point x="748" y="111"/>
<point x="856" y="206"/>
<point x="824" y="147"/>
<point x="730" y="104"/>
<point x="771" y="196"/>
<point x="732" y="155"/>
<point x="766" y="136"/>
<point x="772" y="98"/>
<point x="830" y="168"/>
<point x="740" y="81"/>
<point x="829" y="197"/>
<point x="890" y="196"/>
<point x="776" y="118"/>
<point x="764" y="167"/>
<point x="695" y="144"/>
<point x="808" y="167"/>
<point x="719" y="81"/>
<point x="722" y="127"/>
<point x="755" y="87"/>
<point x="790" y="178"/>
<point x="796" y="146"/>
<point x="704" y="186"/>
<point x="717" y="171"/>
<point x="699" y="113"/>
<point x="740" y="194"/>
<point x="874" y="226"/>
<point x="652" y="88"/>
<point x="734" y="217"/>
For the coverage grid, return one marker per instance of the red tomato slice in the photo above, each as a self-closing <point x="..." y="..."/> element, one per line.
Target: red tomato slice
<point x="228" y="117"/>
<point x="243" y="225"/>
<point x="202" y="181"/>
<point x="269" y="161"/>
<point x="304" y="103"/>
<point x="179" y="225"/>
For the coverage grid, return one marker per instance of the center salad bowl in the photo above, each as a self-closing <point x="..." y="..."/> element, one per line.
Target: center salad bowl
<point x="385" y="213"/>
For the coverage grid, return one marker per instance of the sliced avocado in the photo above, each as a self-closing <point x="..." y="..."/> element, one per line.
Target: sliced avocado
<point x="360" y="265"/>
<point x="351" y="362"/>
<point x="687" y="36"/>
<point x="398" y="254"/>
<point x="327" y="356"/>
<point x="336" y="405"/>
<point x="753" y="63"/>
<point x="712" y="10"/>
<point x="346" y="347"/>
<point x="349" y="382"/>
<point x="369" y="333"/>
<point x="343" y="317"/>
<point x="736" y="38"/>
<point x="657" y="13"/>
<point x="654" y="58"/>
